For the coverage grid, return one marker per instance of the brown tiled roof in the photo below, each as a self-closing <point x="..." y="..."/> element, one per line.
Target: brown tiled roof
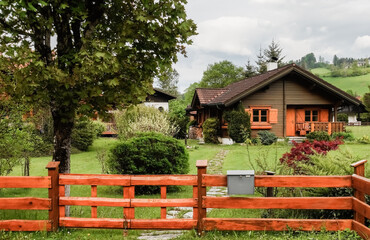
<point x="238" y="90"/>
<point x="207" y="95"/>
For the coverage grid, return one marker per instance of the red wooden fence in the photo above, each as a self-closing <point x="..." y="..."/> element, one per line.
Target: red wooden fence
<point x="199" y="202"/>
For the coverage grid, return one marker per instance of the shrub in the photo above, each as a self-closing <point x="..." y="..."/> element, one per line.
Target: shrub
<point x="267" y="138"/>
<point x="364" y="139"/>
<point x="148" y="153"/>
<point x="141" y="118"/>
<point x="99" y="127"/>
<point x="301" y="151"/>
<point x="239" y="126"/>
<point x="318" y="136"/>
<point x="181" y="122"/>
<point x="347" y="136"/>
<point x="83" y="134"/>
<point x="331" y="164"/>
<point x="210" y="130"/>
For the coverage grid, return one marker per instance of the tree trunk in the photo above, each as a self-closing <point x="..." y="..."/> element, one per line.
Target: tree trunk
<point x="62" y="140"/>
<point x="63" y="125"/>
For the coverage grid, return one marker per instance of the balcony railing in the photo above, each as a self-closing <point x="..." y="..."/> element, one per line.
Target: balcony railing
<point x="329" y="127"/>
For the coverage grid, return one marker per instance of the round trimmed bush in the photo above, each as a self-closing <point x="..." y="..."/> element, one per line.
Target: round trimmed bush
<point x="148" y="153"/>
<point x="210" y="130"/>
<point x="239" y="126"/>
<point x="266" y="137"/>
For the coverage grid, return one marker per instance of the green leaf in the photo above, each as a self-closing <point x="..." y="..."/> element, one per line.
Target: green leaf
<point x="31" y="7"/>
<point x="63" y="6"/>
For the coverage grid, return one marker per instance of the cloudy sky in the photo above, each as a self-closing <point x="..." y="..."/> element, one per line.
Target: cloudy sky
<point x="234" y="30"/>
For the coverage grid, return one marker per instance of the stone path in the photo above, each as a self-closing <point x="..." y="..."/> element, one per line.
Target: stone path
<point x="214" y="167"/>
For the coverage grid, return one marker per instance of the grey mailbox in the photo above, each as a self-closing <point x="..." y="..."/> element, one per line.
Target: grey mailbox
<point x="240" y="182"/>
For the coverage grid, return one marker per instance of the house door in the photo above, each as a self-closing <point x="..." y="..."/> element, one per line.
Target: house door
<point x="290" y="122"/>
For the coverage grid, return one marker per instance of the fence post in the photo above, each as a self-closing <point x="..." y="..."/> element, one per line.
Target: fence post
<point x="202" y="191"/>
<point x="359" y="169"/>
<point x="53" y="172"/>
<point x="270" y="190"/>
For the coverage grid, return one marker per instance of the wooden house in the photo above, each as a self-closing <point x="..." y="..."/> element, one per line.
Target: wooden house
<point x="288" y="101"/>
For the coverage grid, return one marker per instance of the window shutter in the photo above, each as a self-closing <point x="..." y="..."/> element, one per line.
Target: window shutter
<point x="273" y="115"/>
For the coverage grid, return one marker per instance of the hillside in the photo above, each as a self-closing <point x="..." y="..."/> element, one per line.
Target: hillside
<point x="358" y="84"/>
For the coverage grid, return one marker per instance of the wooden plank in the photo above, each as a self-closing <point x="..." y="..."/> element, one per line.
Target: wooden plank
<point x="25" y="203"/>
<point x="361" y="184"/>
<point x="361" y="230"/>
<point x="94" y="179"/>
<point x="94" y="201"/>
<point x="164" y="180"/>
<point x="94" y="209"/>
<point x="202" y="192"/>
<point x="111" y="223"/>
<point x="25" y="225"/>
<point x="176" y="202"/>
<point x="361" y="208"/>
<point x="195" y="197"/>
<point x="53" y="194"/>
<point x="184" y="224"/>
<point x="284" y="181"/>
<point x="25" y="182"/>
<point x="163" y="196"/>
<point x="279" y="202"/>
<point x="260" y="224"/>
<point x="62" y="208"/>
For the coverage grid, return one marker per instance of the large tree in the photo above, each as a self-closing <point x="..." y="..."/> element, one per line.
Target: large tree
<point x="221" y="74"/>
<point x="83" y="57"/>
<point x="168" y="80"/>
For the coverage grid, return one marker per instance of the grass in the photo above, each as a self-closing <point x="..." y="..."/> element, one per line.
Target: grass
<point x="358" y="84"/>
<point x="237" y="158"/>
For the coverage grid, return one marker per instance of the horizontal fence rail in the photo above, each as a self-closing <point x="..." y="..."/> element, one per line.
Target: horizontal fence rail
<point x="32" y="203"/>
<point x="199" y="202"/>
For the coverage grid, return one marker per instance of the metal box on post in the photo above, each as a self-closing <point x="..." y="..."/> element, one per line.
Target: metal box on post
<point x="240" y="182"/>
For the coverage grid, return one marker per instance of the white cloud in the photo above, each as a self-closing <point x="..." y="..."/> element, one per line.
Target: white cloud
<point x="362" y="42"/>
<point x="230" y="35"/>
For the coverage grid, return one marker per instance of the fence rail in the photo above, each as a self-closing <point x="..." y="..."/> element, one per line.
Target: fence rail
<point x="57" y="201"/>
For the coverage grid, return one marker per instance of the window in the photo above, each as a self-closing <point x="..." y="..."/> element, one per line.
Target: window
<point x="259" y="115"/>
<point x="262" y="116"/>
<point x="311" y="115"/>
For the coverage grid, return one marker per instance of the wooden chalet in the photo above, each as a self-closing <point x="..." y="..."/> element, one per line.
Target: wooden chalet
<point x="288" y="101"/>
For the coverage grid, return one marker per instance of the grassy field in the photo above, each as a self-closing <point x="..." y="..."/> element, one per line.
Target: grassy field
<point x="358" y="84"/>
<point x="238" y="157"/>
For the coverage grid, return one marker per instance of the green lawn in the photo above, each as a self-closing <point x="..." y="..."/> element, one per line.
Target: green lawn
<point x="358" y="84"/>
<point x="239" y="157"/>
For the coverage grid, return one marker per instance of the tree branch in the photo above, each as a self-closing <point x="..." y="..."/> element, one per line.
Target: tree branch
<point x="8" y="27"/>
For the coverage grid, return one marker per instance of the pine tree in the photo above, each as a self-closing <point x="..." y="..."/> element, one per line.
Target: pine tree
<point x="273" y="53"/>
<point x="249" y="70"/>
<point x="261" y="62"/>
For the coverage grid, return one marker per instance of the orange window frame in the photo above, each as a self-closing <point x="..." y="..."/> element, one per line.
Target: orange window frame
<point x="312" y="115"/>
<point x="260" y="124"/>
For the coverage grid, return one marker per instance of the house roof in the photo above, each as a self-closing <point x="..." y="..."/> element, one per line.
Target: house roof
<point x="236" y="91"/>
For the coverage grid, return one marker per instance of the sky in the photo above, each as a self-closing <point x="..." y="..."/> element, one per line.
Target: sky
<point x="235" y="30"/>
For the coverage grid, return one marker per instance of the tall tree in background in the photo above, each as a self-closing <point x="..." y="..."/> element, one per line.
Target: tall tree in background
<point x="273" y="52"/>
<point x="107" y="54"/>
<point x="308" y="61"/>
<point x="335" y="60"/>
<point x="249" y="70"/>
<point x="168" y="80"/>
<point x="221" y="74"/>
<point x="261" y="62"/>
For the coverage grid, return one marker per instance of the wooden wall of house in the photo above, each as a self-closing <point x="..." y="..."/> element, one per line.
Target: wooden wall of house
<point x="271" y="96"/>
<point x="297" y="92"/>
